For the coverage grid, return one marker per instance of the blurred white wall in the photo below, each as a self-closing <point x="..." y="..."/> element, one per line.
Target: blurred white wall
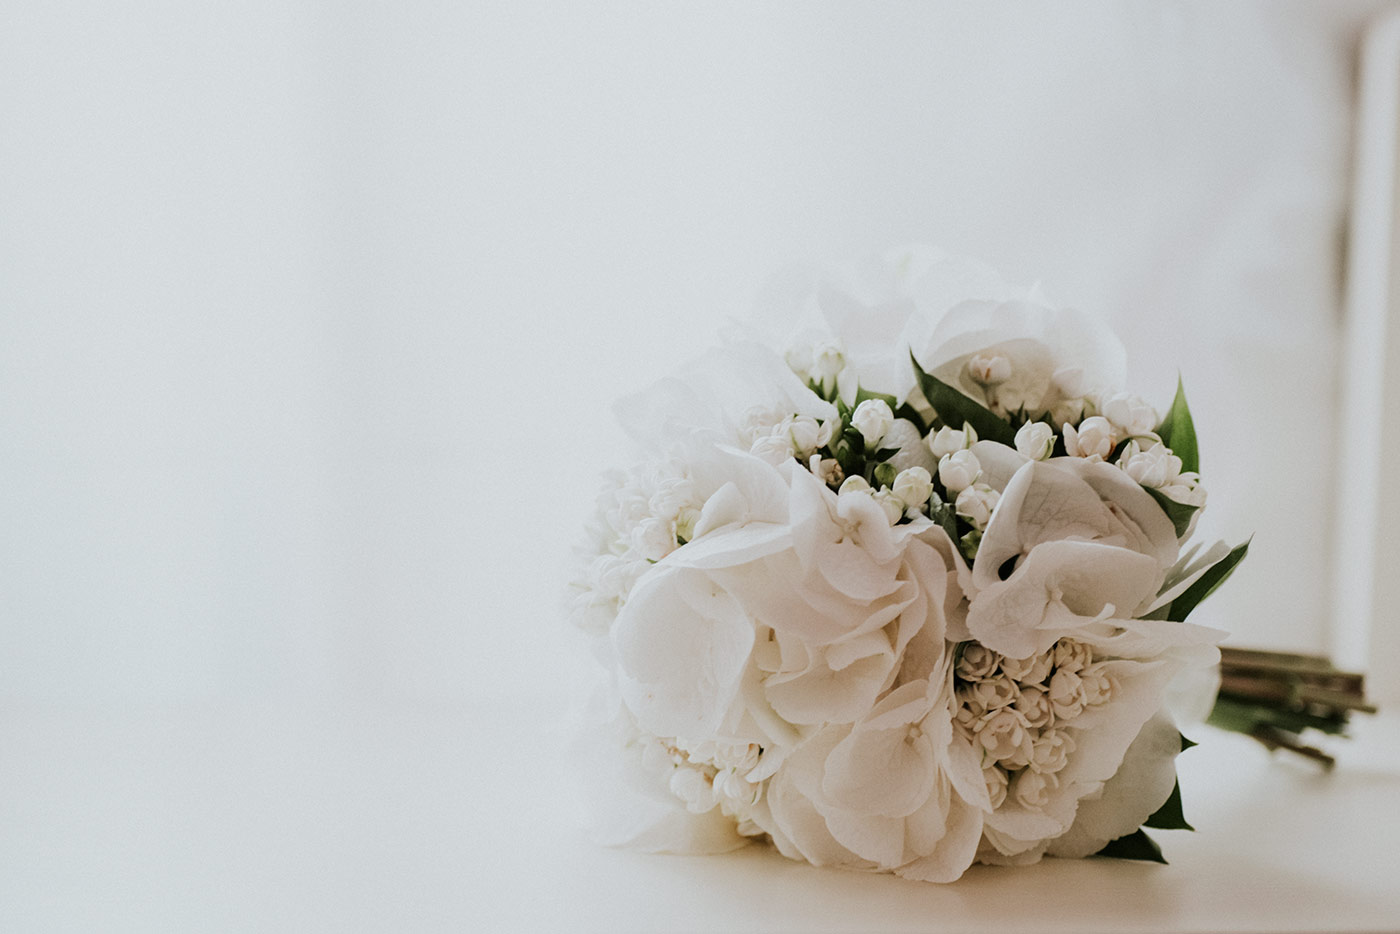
<point x="310" y="313"/>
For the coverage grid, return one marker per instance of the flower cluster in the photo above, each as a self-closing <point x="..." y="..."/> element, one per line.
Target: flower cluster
<point x="905" y="596"/>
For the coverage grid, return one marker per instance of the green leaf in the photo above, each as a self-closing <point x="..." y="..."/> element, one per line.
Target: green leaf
<point x="1186" y="743"/>
<point x="911" y="414"/>
<point x="885" y="454"/>
<point x="1136" y="845"/>
<point x="863" y="394"/>
<point x="1178" y="432"/>
<point x="1169" y="816"/>
<point x="944" y="515"/>
<point x="1207" y="583"/>
<point x="955" y="409"/>
<point x="1179" y="513"/>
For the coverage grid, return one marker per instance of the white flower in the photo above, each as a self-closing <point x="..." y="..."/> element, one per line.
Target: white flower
<point x="1066" y="692"/>
<point x="1153" y="467"/>
<point x="828" y="360"/>
<point x="799" y="358"/>
<point x="891" y="504"/>
<point x="685" y="523"/>
<point x="997" y="782"/>
<point x="976" y="503"/>
<point x="913" y="486"/>
<point x="1051" y="750"/>
<point x="854" y="484"/>
<point x="1033" y="703"/>
<point x="993" y="693"/>
<point x="1071" y="655"/>
<point x="989" y="369"/>
<point x="1034" y="789"/>
<point x="1035" y="440"/>
<point x="958" y="471"/>
<point x="977" y="662"/>
<point x="1130" y="415"/>
<point x="808" y="434"/>
<point x="872" y="418"/>
<point x="1097" y="684"/>
<point x="654" y="538"/>
<point x="826" y="469"/>
<point x="1030" y="670"/>
<point x="1093" y="439"/>
<point x="949" y="440"/>
<point x="773" y="449"/>
<point x="1006" y="737"/>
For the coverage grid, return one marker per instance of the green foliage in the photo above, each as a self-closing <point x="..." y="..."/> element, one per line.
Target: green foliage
<point x="1136" y="845"/>
<point x="955" y="409"/>
<point x="1169" y="815"/>
<point x="1179" y="513"/>
<point x="1207" y="583"/>
<point x="1178" y="431"/>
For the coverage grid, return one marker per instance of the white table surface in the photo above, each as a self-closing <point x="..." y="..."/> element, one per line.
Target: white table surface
<point x="282" y="818"/>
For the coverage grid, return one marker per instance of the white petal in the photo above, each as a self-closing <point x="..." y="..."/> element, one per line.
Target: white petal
<point x="955" y="850"/>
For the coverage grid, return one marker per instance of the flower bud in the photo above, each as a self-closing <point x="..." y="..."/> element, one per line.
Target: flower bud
<point x="975" y="504"/>
<point x="1031" y="670"/>
<point x="997" y="782"/>
<point x="913" y="486"/>
<point x="1155" y="467"/>
<point x="891" y="504"/>
<point x="959" y="470"/>
<point x="989" y="369"/>
<point x="993" y="693"/>
<point x="1129" y="414"/>
<point x="1066" y="694"/>
<point x="772" y="449"/>
<point x="872" y="418"/>
<point x="1005" y="737"/>
<point x="1032" y="790"/>
<point x="826" y="469"/>
<point x="1098" y="685"/>
<point x="854" y="484"/>
<point x="1050" y="751"/>
<point x="799" y="359"/>
<point x="947" y="440"/>
<point x="977" y="662"/>
<point x="808" y="434"/>
<point x="1071" y="655"/>
<point x="1035" y="440"/>
<point x="1093" y="439"/>
<point x="828" y="359"/>
<point x="1033" y="703"/>
<point x="685" y="523"/>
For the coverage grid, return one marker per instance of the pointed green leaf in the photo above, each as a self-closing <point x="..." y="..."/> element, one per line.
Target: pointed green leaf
<point x="863" y="394"/>
<point x="1186" y="743"/>
<point x="1179" y="513"/>
<point x="954" y="409"/>
<point x="1169" y="815"/>
<point x="1136" y="845"/>
<point x="1207" y="583"/>
<point x="1178" y="431"/>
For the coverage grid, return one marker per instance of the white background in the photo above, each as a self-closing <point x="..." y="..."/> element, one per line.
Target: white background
<point x="310" y="313"/>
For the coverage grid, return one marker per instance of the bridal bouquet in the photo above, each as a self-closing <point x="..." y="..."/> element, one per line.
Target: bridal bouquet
<point x="905" y="592"/>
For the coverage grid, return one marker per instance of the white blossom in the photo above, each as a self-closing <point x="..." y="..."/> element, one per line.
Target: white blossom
<point x="1032" y="669"/>
<point x="1033" y="789"/>
<point x="891" y="504"/>
<point x="989" y="369"/>
<point x="1093" y="439"/>
<point x="976" y="503"/>
<point x="977" y="662"/>
<point x="1130" y="415"/>
<point x="1006" y="737"/>
<point x="1066" y="691"/>
<point x="1035" y="440"/>
<point x="1051" y="751"/>
<point x="913" y="486"/>
<point x="948" y="440"/>
<point x="958" y="471"/>
<point x="872" y="418"/>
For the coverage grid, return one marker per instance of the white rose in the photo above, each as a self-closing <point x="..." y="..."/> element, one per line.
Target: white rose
<point x="872" y="418"/>
<point x="958" y="471"/>
<point x="1093" y="439"/>
<point x="1130" y="415"/>
<point x="948" y="440"/>
<point x="1035" y="440"/>
<point x="913" y="486"/>
<point x="976" y="504"/>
